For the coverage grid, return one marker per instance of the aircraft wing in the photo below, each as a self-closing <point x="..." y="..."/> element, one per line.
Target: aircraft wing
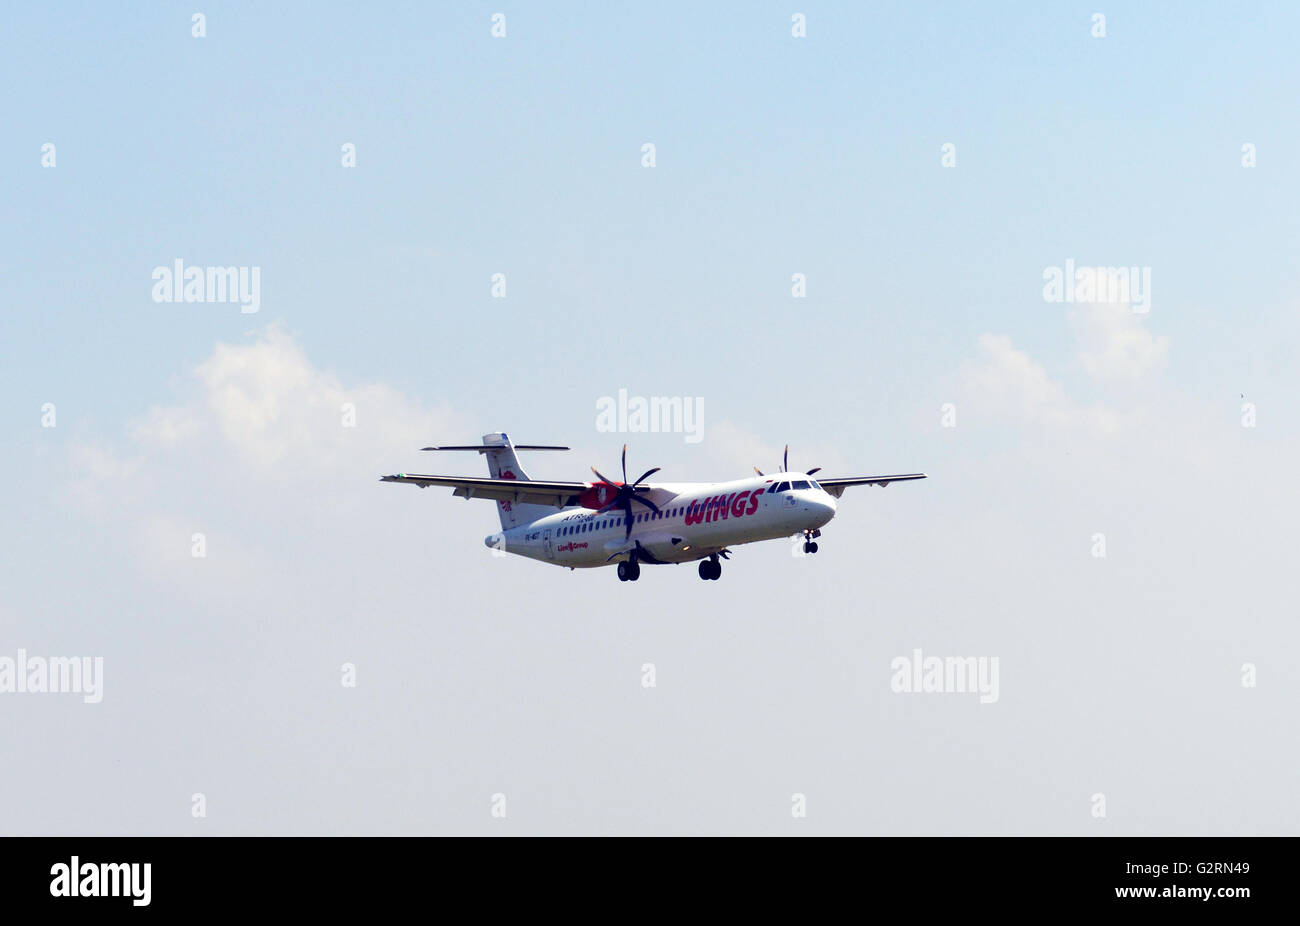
<point x="836" y="487"/>
<point x="527" y="491"/>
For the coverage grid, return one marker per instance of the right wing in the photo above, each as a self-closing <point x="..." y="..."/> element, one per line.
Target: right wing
<point x="836" y="487"/>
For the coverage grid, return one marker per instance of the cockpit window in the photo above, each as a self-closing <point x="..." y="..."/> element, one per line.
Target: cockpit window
<point x="801" y="484"/>
<point x="783" y="487"/>
<point x="815" y="485"/>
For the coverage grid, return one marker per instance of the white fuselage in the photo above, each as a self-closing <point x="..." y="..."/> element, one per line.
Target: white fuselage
<point x="696" y="520"/>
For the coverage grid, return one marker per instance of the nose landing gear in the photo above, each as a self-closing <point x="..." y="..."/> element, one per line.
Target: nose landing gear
<point x="809" y="544"/>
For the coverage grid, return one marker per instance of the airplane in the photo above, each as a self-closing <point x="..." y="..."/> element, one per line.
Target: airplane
<point x="584" y="525"/>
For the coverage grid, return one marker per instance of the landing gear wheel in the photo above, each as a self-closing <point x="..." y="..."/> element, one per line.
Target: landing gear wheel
<point x="622" y="572"/>
<point x="710" y="569"/>
<point x="633" y="570"/>
<point x="812" y="547"/>
<point x="807" y="546"/>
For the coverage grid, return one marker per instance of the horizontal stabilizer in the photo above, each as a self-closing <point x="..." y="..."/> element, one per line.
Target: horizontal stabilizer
<point x="480" y="448"/>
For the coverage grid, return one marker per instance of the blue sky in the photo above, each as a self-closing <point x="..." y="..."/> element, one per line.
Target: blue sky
<point x="774" y="156"/>
<point x="522" y="156"/>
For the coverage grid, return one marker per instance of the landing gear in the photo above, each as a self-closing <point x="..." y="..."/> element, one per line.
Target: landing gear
<point x="809" y="544"/>
<point x="629" y="571"/>
<point x="710" y="568"/>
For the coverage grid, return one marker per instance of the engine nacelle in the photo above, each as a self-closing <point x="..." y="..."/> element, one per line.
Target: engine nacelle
<point x="598" y="496"/>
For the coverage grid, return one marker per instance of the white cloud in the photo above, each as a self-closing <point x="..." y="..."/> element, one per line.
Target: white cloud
<point x="257" y="443"/>
<point x="269" y="404"/>
<point x="98" y="475"/>
<point x="1006" y="382"/>
<point x="1114" y="344"/>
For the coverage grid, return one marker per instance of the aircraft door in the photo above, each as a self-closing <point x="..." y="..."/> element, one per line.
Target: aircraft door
<point x="546" y="543"/>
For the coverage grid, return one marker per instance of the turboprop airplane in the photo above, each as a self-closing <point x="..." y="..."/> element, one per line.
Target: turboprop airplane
<point x="586" y="524"/>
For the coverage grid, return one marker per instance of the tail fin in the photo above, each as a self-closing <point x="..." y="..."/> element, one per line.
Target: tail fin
<point x="504" y="464"/>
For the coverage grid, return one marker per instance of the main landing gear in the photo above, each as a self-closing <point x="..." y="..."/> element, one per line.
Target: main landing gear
<point x="629" y="571"/>
<point x="809" y="544"/>
<point x="710" y="568"/>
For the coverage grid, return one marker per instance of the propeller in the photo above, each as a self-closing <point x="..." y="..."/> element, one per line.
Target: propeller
<point x="785" y="464"/>
<point x="628" y="492"/>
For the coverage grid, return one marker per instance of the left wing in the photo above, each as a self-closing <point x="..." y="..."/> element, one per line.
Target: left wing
<point x="836" y="487"/>
<point x="527" y="491"/>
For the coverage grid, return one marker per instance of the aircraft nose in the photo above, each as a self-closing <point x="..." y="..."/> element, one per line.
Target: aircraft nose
<point x="823" y="508"/>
